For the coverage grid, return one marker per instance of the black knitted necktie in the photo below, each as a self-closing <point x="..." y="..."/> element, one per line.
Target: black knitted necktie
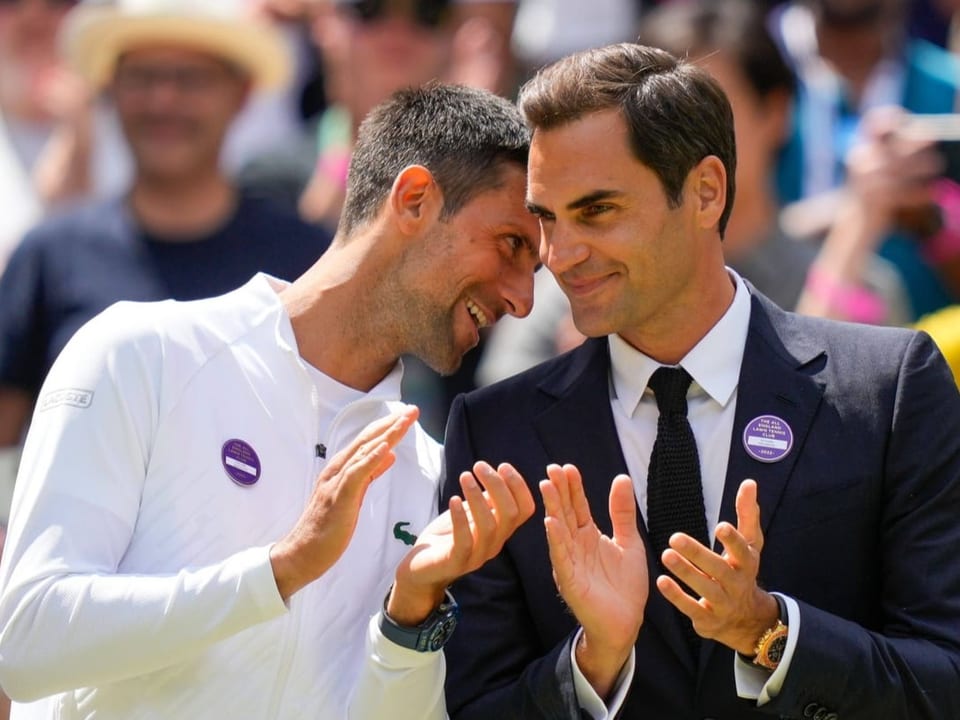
<point x="674" y="492"/>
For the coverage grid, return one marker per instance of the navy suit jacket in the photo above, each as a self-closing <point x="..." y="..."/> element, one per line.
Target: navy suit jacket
<point x="861" y="524"/>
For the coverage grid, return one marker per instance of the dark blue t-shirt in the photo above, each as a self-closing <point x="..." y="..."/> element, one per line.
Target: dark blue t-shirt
<point x="75" y="265"/>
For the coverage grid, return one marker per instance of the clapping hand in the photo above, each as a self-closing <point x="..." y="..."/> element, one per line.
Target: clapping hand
<point x="602" y="579"/>
<point x="495" y="503"/>
<point x="727" y="606"/>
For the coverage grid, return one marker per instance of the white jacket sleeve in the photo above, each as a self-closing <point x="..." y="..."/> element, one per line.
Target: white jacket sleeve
<point x="398" y="683"/>
<point x="67" y="618"/>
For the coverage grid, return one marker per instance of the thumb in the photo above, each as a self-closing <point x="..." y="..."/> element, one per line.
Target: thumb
<point x="623" y="511"/>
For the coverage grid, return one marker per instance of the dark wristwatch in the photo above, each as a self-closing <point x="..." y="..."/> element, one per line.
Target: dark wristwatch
<point x="430" y="635"/>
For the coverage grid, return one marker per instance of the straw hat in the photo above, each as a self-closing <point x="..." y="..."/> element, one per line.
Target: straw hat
<point x="95" y="34"/>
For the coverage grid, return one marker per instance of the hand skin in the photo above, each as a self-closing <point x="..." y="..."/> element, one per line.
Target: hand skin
<point x="473" y="530"/>
<point x="731" y="608"/>
<point x="323" y="531"/>
<point x="603" y="580"/>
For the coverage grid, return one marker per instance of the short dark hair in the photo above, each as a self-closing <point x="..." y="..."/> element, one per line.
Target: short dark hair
<point x="463" y="136"/>
<point x="676" y="114"/>
<point x="735" y="27"/>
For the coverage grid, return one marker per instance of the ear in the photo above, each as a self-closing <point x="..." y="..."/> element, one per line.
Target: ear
<point x="708" y="181"/>
<point x="415" y="199"/>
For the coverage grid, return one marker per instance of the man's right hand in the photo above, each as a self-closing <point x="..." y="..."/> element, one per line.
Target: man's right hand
<point x="323" y="531"/>
<point x="603" y="580"/>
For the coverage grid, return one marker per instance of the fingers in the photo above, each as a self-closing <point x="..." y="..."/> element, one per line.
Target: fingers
<point x="481" y="514"/>
<point x="559" y="534"/>
<point x="748" y="514"/>
<point x="497" y="503"/>
<point x="389" y="430"/>
<point x="581" y="508"/>
<point x="461" y="531"/>
<point x="573" y="508"/>
<point x="519" y="490"/>
<point x="623" y="512"/>
<point x="675" y="595"/>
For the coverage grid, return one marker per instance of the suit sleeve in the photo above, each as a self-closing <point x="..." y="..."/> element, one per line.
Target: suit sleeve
<point x="905" y="663"/>
<point x="495" y="665"/>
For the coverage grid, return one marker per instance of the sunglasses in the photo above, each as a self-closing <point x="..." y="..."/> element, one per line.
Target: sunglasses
<point x="429" y="14"/>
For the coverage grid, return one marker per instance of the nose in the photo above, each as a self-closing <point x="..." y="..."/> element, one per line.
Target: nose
<point x="560" y="249"/>
<point x="518" y="290"/>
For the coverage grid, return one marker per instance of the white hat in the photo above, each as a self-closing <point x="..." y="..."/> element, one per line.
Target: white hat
<point x="95" y="34"/>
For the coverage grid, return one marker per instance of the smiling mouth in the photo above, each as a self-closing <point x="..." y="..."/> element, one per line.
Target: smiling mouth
<point x="582" y="286"/>
<point x="479" y="317"/>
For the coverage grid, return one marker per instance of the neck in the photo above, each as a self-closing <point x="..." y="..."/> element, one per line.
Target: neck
<point x="673" y="333"/>
<point x="336" y="321"/>
<point x="182" y="207"/>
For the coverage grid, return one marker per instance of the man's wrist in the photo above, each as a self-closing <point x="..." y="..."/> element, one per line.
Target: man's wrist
<point x="410" y="605"/>
<point x="427" y="635"/>
<point x="769" y="645"/>
<point x="600" y="663"/>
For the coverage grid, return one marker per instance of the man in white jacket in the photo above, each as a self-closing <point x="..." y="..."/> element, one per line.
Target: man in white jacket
<point x="217" y="500"/>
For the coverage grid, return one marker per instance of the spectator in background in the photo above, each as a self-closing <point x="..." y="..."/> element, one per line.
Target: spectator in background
<point x="179" y="72"/>
<point x="853" y="56"/>
<point x="369" y="49"/>
<point x="36" y="94"/>
<point x="546" y="30"/>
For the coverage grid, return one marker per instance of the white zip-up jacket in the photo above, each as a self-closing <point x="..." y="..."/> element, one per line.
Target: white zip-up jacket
<point x="172" y="444"/>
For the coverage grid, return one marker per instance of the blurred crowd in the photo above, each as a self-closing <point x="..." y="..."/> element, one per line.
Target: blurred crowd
<point x="220" y="147"/>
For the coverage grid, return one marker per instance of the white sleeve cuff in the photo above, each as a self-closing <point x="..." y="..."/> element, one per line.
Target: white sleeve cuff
<point x="397" y="682"/>
<point x="588" y="699"/>
<point x="254" y="565"/>
<point x="756" y="683"/>
<point x="394" y="656"/>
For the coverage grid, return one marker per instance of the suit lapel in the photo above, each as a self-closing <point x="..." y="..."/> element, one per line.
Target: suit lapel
<point x="579" y="429"/>
<point x="776" y="378"/>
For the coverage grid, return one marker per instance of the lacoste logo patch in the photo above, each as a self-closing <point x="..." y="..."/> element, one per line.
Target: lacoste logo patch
<point x="400" y="534"/>
<point x="68" y="396"/>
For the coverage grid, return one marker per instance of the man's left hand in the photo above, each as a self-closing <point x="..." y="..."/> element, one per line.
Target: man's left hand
<point x="473" y="530"/>
<point x="727" y="606"/>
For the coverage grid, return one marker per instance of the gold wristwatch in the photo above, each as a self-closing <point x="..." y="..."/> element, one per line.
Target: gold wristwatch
<point x="771" y="646"/>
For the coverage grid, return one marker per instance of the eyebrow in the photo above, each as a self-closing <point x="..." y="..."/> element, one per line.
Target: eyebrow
<point x="577" y="204"/>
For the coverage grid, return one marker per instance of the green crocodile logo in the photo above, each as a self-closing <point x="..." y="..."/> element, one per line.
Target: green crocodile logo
<point x="400" y="534"/>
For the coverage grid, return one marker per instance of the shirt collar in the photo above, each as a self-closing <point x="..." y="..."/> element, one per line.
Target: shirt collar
<point x="713" y="363"/>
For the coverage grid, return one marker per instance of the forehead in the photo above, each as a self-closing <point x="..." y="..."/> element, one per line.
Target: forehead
<point x="502" y="203"/>
<point x="583" y="156"/>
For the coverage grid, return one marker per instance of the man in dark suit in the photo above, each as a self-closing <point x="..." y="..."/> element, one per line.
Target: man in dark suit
<point x="819" y="577"/>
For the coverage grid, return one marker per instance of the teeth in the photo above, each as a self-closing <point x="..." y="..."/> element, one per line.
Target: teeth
<point x="477" y="313"/>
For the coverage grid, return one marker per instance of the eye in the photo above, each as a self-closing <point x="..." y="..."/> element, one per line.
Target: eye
<point x="597" y="209"/>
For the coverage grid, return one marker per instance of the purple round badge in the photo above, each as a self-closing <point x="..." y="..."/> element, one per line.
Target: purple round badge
<point x="768" y="438"/>
<point x="240" y="461"/>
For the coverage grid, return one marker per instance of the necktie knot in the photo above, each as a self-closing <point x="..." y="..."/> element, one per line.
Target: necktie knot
<point x="670" y="385"/>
